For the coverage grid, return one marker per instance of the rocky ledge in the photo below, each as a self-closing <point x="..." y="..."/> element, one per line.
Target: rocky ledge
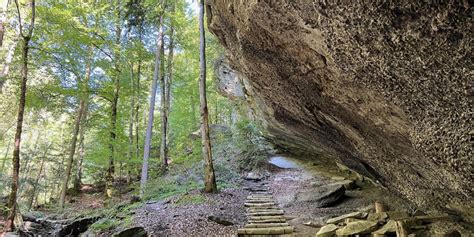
<point x="381" y="88"/>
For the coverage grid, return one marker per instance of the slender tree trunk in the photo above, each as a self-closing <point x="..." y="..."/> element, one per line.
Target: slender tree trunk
<point x="166" y="99"/>
<point x="72" y="150"/>
<point x="193" y="111"/>
<point x="33" y="192"/>
<point x="85" y="96"/>
<point x="5" y="157"/>
<point x="113" y="116"/>
<point x="163" y="112"/>
<point x="216" y="111"/>
<point x="78" y="176"/>
<point x="209" y="179"/>
<point x="137" y="113"/>
<point x="80" y="120"/>
<point x="12" y="204"/>
<point x="138" y="101"/>
<point x="151" y="111"/>
<point x="130" y="127"/>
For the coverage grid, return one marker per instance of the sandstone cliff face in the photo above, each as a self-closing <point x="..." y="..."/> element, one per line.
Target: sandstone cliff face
<point x="384" y="88"/>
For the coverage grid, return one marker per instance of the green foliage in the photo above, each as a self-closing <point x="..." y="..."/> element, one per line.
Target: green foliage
<point x="253" y="146"/>
<point x="105" y="224"/>
<point x="67" y="36"/>
<point x="168" y="186"/>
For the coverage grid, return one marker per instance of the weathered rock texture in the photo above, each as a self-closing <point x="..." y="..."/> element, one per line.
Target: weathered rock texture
<point x="384" y="87"/>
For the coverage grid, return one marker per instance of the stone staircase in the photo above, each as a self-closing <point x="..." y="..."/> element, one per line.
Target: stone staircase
<point x="264" y="216"/>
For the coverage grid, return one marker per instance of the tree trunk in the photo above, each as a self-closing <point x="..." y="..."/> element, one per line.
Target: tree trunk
<point x="109" y="179"/>
<point x="137" y="114"/>
<point x="209" y="179"/>
<point x="81" y="111"/>
<point x="166" y="97"/>
<point x="130" y="127"/>
<point x="193" y="111"/>
<point x="149" y="129"/>
<point x="12" y="204"/>
<point x="33" y="192"/>
<point x="78" y="176"/>
<point x="72" y="150"/>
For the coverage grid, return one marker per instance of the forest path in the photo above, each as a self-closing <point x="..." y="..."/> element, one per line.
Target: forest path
<point x="287" y="190"/>
<point x="264" y="216"/>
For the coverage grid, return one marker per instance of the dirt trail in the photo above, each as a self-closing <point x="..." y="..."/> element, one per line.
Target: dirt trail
<point x="286" y="178"/>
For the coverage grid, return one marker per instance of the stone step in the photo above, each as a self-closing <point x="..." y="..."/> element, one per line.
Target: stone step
<point x="266" y="231"/>
<point x="267" y="213"/>
<point x="262" y="192"/>
<point x="260" y="201"/>
<point x="266" y="225"/>
<point x="260" y="196"/>
<point x="267" y="218"/>
<point x="283" y="220"/>
<point x="268" y="204"/>
<point x="253" y="210"/>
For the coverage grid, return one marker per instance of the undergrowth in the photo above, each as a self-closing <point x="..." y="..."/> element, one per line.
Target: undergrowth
<point x="253" y="147"/>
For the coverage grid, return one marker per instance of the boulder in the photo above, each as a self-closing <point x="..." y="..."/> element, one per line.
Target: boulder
<point x="327" y="231"/>
<point x="357" y="227"/>
<point x="132" y="232"/>
<point x="220" y="220"/>
<point x="357" y="215"/>
<point x="76" y="227"/>
<point x="323" y="196"/>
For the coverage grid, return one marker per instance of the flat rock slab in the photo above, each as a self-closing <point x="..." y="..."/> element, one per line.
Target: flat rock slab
<point x="357" y="227"/>
<point x="356" y="215"/>
<point x="323" y="196"/>
<point x="327" y="231"/>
